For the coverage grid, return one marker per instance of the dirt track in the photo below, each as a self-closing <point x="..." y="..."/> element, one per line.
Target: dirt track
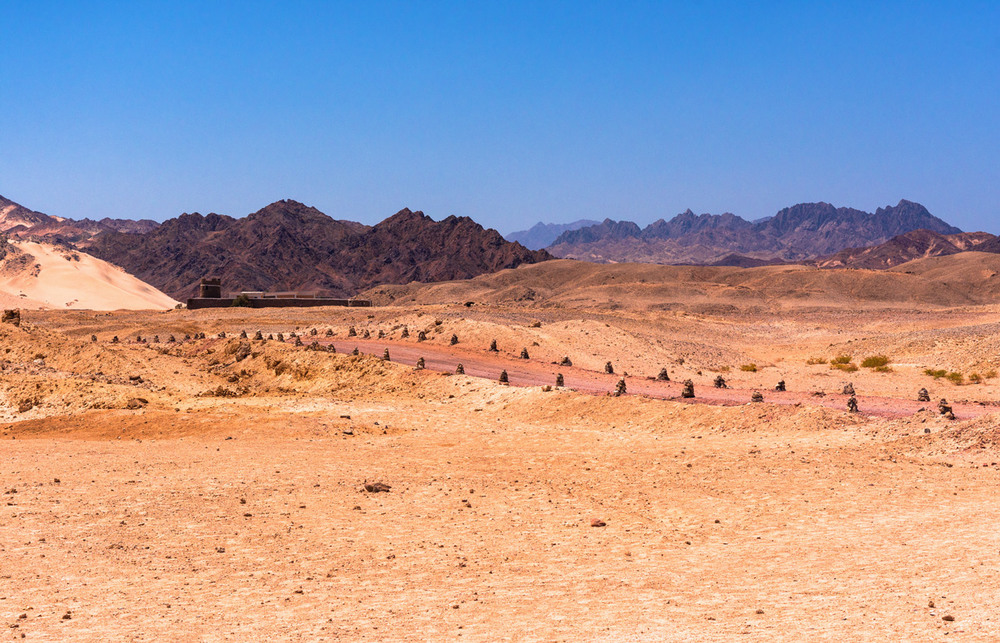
<point x="530" y="372"/>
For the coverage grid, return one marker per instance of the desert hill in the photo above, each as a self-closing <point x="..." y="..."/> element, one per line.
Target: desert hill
<point x="803" y="231"/>
<point x="37" y="275"/>
<point x="906" y="247"/>
<point x="291" y="246"/>
<point x="958" y="280"/>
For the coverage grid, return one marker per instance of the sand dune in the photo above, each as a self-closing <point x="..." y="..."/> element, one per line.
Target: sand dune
<point x="39" y="276"/>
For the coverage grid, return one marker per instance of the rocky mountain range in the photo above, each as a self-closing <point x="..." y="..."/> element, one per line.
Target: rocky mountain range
<point x="17" y="221"/>
<point x="291" y="246"/>
<point x="801" y="232"/>
<point x="918" y="244"/>
<point x="542" y="235"/>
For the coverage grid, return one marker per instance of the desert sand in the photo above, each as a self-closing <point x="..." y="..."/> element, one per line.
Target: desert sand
<point x="44" y="276"/>
<point x="215" y="489"/>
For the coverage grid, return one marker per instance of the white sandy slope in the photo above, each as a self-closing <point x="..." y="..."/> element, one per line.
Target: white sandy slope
<point x="57" y="278"/>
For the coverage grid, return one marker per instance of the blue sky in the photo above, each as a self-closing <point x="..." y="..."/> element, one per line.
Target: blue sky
<point x="508" y="112"/>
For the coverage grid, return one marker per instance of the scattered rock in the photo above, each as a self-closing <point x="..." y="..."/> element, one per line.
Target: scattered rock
<point x="945" y="409"/>
<point x="11" y="317"/>
<point x="663" y="376"/>
<point x="136" y="403"/>
<point x="351" y="332"/>
<point x="597" y="522"/>
<point x="780" y="386"/>
<point x="377" y="487"/>
<point x="421" y="336"/>
<point x="852" y="404"/>
<point x="503" y="377"/>
<point x="406" y="332"/>
<point x="566" y="361"/>
<point x="242" y="351"/>
<point x="688" y="390"/>
<point x="757" y="397"/>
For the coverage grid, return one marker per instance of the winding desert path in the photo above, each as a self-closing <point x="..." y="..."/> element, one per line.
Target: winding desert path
<point x="521" y="372"/>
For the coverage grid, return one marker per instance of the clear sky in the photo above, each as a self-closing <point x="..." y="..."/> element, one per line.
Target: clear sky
<point x="508" y="112"/>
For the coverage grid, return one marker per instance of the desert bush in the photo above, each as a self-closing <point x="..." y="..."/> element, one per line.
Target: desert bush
<point x="241" y="301"/>
<point x="936" y="373"/>
<point x="990" y="374"/>
<point x="955" y="378"/>
<point x="975" y="378"/>
<point x="875" y="361"/>
<point x="812" y="361"/>
<point x="749" y="368"/>
<point x="842" y="359"/>
<point x="847" y="367"/>
<point x="882" y="369"/>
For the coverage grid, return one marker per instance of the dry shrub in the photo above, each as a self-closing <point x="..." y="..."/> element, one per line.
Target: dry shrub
<point x="875" y="361"/>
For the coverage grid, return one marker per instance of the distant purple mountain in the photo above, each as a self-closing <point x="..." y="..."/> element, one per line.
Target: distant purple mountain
<point x="803" y="231"/>
<point x="541" y="235"/>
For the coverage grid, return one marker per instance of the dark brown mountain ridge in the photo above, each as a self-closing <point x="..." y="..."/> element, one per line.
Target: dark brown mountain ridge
<point x="290" y="246"/>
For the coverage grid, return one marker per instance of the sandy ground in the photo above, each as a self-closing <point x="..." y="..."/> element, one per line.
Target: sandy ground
<point x="44" y="276"/>
<point x="171" y="491"/>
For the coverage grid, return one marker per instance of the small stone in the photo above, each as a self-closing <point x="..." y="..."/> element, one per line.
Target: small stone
<point x="597" y="522"/>
<point x="377" y="487"/>
<point x="948" y="617"/>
